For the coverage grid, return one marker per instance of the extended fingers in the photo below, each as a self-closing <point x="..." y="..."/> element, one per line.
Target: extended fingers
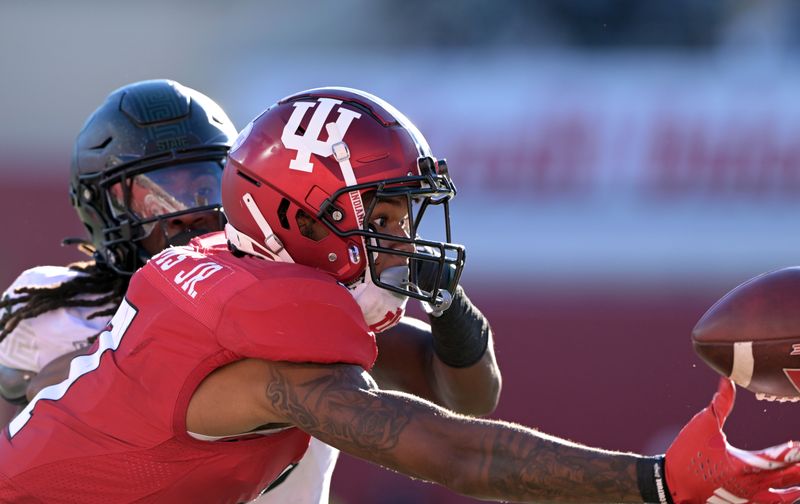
<point x="786" y="452"/>
<point x="787" y="476"/>
<point x="722" y="402"/>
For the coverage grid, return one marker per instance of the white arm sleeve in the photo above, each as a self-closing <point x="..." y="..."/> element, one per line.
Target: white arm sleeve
<point x="37" y="341"/>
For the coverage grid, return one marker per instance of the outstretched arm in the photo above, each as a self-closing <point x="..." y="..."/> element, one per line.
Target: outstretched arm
<point x="450" y="362"/>
<point x="341" y="406"/>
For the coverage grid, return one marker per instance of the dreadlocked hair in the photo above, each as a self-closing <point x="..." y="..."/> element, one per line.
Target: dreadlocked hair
<point x="33" y="301"/>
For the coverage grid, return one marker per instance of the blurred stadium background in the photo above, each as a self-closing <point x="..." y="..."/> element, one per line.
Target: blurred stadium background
<point x="621" y="165"/>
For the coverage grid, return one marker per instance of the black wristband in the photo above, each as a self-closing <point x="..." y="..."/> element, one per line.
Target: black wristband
<point x="652" y="480"/>
<point x="460" y="333"/>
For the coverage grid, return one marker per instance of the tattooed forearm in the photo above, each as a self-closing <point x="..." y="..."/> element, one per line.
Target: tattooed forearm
<point x="556" y="471"/>
<point x="487" y="459"/>
<point x="356" y="418"/>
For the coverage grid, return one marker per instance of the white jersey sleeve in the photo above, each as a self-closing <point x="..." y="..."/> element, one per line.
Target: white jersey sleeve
<point x="309" y="482"/>
<point x="37" y="341"/>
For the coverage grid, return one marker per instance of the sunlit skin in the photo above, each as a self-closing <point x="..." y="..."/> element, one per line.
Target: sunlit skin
<point x="390" y="217"/>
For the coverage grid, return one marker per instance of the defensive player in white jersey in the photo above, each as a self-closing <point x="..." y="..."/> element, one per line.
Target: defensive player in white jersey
<point x="145" y="175"/>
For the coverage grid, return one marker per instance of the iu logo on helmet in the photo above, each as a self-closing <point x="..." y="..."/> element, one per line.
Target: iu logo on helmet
<point x="309" y="143"/>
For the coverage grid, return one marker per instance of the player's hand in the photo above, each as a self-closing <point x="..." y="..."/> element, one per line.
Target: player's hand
<point x="427" y="271"/>
<point x="426" y="275"/>
<point x="702" y="467"/>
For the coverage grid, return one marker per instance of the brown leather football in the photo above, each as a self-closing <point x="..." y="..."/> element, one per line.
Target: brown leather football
<point x="752" y="335"/>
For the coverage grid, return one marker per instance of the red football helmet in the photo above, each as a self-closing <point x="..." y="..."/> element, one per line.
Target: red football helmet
<point x="321" y="151"/>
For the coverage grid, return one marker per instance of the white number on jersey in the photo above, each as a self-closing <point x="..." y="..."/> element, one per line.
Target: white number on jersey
<point x="108" y="340"/>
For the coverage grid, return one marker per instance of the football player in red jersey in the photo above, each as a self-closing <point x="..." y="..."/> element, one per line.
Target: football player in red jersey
<point x="227" y="354"/>
<point x="145" y="174"/>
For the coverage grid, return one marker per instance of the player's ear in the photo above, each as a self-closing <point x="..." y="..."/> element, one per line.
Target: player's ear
<point x="304" y="222"/>
<point x="310" y="227"/>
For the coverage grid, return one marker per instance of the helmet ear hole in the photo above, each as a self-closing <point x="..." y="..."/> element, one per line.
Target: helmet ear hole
<point x="102" y="145"/>
<point x="310" y="227"/>
<point x="283" y="208"/>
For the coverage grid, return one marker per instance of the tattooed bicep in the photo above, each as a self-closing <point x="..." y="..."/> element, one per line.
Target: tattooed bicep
<point x="338" y="404"/>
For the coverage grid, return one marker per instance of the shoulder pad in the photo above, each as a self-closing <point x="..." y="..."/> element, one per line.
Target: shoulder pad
<point x="297" y="314"/>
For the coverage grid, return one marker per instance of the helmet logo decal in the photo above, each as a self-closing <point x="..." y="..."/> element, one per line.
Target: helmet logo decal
<point x="309" y="143"/>
<point x="354" y="253"/>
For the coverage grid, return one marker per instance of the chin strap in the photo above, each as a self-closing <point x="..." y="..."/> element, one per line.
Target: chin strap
<point x="382" y="308"/>
<point x="272" y="247"/>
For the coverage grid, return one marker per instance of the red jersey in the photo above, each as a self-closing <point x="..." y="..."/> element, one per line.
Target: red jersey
<point x="115" y="430"/>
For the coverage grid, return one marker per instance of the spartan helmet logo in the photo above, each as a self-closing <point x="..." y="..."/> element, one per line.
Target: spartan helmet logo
<point x="309" y="143"/>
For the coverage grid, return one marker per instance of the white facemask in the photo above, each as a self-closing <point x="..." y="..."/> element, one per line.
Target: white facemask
<point x="381" y="307"/>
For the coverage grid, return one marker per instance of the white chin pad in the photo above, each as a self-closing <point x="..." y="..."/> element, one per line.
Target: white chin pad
<point x="382" y="308"/>
<point x="396" y="276"/>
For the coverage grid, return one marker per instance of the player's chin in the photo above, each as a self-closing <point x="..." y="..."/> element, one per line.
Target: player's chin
<point x="154" y="243"/>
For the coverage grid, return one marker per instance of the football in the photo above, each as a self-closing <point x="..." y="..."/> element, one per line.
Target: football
<point x="752" y="335"/>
